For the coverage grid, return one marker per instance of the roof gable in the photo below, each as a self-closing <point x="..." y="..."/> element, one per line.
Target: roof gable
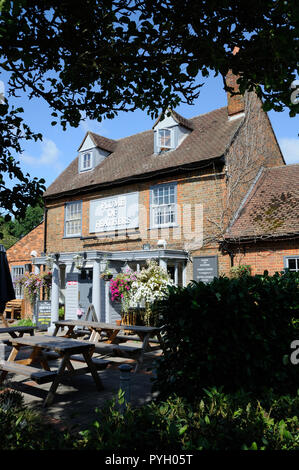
<point x="178" y="119"/>
<point x="98" y="141"/>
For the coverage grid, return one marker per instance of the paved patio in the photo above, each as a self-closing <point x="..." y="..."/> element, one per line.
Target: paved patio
<point x="77" y="398"/>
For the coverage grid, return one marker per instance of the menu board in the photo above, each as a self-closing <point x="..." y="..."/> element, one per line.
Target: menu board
<point x="205" y="268"/>
<point x="43" y="314"/>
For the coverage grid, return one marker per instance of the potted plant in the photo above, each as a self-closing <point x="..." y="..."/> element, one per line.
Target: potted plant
<point x="151" y="284"/>
<point x="107" y="275"/>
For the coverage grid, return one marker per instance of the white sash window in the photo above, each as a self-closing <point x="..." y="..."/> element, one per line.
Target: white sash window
<point x="163" y="206"/>
<point x="73" y="219"/>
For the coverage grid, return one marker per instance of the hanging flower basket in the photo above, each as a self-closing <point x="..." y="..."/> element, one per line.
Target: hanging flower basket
<point x="33" y="283"/>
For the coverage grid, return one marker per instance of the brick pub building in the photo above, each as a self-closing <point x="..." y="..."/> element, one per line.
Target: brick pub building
<point x="167" y="194"/>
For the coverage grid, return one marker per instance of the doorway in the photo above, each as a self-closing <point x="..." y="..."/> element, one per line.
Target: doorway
<point x="85" y="289"/>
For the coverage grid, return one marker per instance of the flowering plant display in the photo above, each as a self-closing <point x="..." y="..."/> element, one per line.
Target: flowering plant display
<point x="151" y="284"/>
<point x="120" y="288"/>
<point x="135" y="289"/>
<point x="32" y="283"/>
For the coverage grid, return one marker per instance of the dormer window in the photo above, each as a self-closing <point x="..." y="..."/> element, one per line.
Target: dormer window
<point x="86" y="161"/>
<point x="170" y="131"/>
<point x="164" y="139"/>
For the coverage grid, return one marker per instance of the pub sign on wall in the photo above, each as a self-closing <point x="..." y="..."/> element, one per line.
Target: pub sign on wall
<point x="114" y="213"/>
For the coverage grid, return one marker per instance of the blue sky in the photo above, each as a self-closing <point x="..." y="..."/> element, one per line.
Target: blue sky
<point x="48" y="158"/>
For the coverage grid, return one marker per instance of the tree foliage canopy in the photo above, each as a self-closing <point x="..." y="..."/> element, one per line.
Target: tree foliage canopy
<point x="13" y="230"/>
<point x="96" y="58"/>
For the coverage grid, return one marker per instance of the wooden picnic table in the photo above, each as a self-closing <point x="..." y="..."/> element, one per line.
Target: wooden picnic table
<point x="68" y="350"/>
<point x="114" y="338"/>
<point x="21" y="330"/>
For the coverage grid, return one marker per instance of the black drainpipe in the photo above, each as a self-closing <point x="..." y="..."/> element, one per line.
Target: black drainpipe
<point x="45" y="230"/>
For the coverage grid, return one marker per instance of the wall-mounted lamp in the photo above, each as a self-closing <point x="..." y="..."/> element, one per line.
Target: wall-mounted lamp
<point x="49" y="261"/>
<point x="162" y="243"/>
<point x="126" y="267"/>
<point x="78" y="260"/>
<point x="104" y="264"/>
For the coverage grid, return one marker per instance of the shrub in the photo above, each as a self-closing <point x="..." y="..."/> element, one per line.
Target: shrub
<point x="22" y="428"/>
<point x="217" y="422"/>
<point x="241" y="270"/>
<point x="234" y="333"/>
<point x="25" y="322"/>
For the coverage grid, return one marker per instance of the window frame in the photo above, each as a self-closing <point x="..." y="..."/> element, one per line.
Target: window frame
<point x="287" y="258"/>
<point x="153" y="206"/>
<point x="66" y="205"/>
<point x="82" y="155"/>
<point x="19" y="291"/>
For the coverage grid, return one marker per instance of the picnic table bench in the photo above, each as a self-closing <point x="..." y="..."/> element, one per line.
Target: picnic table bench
<point x="21" y="330"/>
<point x="67" y="350"/>
<point x="16" y="332"/>
<point x="105" y="337"/>
<point x="14" y="308"/>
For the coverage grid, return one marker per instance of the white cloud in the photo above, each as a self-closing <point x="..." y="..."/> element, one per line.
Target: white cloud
<point x="50" y="156"/>
<point x="290" y="149"/>
<point x="92" y="126"/>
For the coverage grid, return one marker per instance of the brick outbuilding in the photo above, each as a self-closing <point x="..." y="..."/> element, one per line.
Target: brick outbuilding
<point x="264" y="232"/>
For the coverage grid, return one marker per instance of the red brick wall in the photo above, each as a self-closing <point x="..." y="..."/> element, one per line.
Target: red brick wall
<point x="268" y="256"/>
<point x="235" y="103"/>
<point x="19" y="253"/>
<point x="204" y="187"/>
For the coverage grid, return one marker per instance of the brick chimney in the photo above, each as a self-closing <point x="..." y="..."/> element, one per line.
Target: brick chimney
<point x="235" y="103"/>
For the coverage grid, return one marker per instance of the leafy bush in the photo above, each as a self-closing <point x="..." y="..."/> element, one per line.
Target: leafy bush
<point x="22" y="428"/>
<point x="241" y="270"/>
<point x="25" y="322"/>
<point x="234" y="333"/>
<point x="216" y="422"/>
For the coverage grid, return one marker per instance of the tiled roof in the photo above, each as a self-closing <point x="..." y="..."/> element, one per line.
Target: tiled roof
<point x="178" y="118"/>
<point x="272" y="206"/>
<point x="103" y="142"/>
<point x="134" y="156"/>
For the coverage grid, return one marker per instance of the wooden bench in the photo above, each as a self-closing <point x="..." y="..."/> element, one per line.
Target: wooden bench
<point x="13" y="330"/>
<point x="37" y="375"/>
<point x="100" y="364"/>
<point x="15" y="309"/>
<point x="116" y="349"/>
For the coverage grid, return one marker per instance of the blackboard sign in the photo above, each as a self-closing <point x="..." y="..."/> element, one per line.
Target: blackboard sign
<point x="205" y="268"/>
<point x="43" y="314"/>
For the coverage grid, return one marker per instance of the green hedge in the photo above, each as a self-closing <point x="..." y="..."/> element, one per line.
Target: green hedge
<point x="216" y="422"/>
<point x="234" y="333"/>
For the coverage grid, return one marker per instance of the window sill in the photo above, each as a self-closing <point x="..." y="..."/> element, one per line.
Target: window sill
<point x="161" y="227"/>
<point x="71" y="236"/>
